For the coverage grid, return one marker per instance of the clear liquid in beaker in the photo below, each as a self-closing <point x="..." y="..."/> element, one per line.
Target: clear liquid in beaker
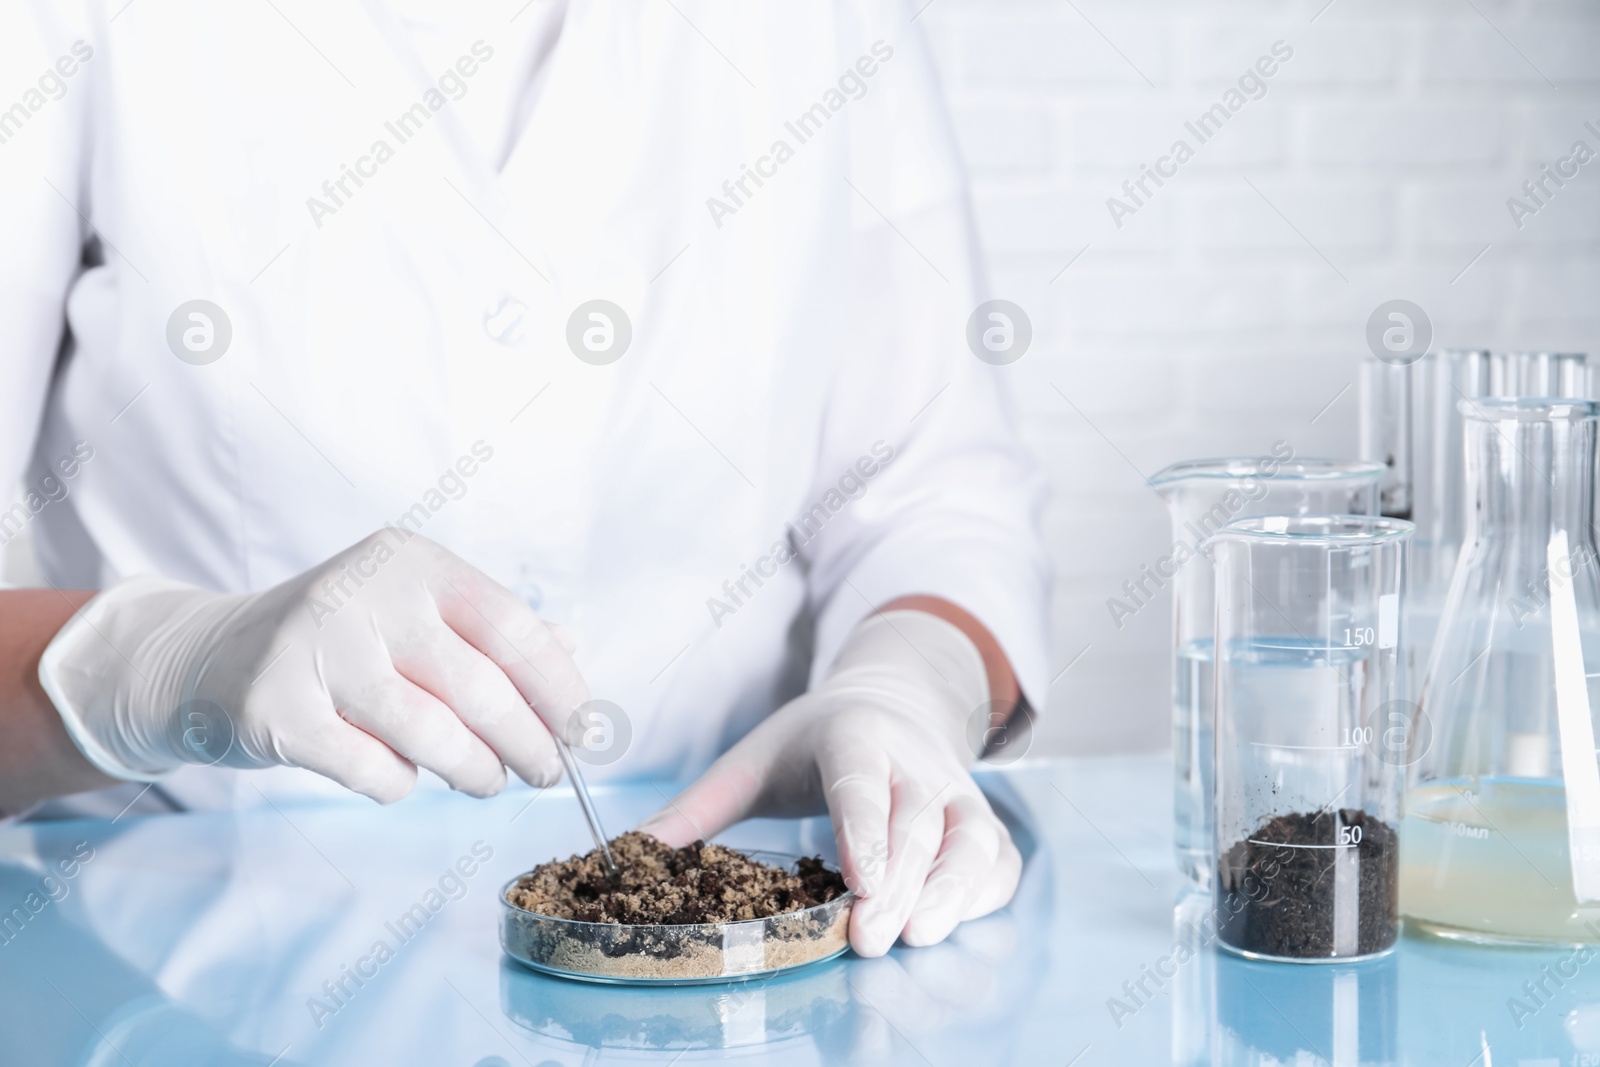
<point x="1488" y="858"/>
<point x="1299" y="703"/>
<point x="1194" y="759"/>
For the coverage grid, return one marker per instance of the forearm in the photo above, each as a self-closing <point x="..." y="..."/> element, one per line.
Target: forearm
<point x="37" y="758"/>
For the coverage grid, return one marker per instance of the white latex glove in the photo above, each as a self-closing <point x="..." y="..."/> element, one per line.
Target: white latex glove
<point x="882" y="745"/>
<point x="390" y="656"/>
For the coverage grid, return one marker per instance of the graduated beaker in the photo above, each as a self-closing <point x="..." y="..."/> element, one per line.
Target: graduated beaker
<point x="1502" y="818"/>
<point x="1202" y="496"/>
<point x="1309" y="680"/>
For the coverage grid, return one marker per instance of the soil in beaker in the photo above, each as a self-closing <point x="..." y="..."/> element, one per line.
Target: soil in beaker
<point x="1312" y="885"/>
<point x="698" y="883"/>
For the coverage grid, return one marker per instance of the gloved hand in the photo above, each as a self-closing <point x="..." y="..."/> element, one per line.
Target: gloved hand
<point x="882" y="745"/>
<point x="390" y="656"/>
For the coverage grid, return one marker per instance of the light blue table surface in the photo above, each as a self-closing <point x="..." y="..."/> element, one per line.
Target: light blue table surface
<point x="207" y="939"/>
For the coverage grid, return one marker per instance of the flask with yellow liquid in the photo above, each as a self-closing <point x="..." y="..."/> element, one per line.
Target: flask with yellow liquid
<point x="1500" y="840"/>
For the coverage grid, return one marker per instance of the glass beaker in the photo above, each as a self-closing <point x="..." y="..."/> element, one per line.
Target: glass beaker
<point x="1202" y="496"/>
<point x="1502" y="823"/>
<point x="1309" y="777"/>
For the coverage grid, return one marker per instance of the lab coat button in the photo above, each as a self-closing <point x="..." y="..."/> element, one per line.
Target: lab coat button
<point x="503" y="320"/>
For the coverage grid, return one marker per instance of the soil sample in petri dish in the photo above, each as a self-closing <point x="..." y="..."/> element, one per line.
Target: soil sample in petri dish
<point x="1311" y="885"/>
<point x="687" y="913"/>
<point x="657" y="884"/>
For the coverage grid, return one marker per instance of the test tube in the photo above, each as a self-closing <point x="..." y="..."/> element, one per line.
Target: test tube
<point x="1311" y="732"/>
<point x="1444" y="379"/>
<point x="1539" y="374"/>
<point x="1387" y="430"/>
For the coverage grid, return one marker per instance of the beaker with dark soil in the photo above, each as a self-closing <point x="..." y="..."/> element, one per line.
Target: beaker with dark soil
<point x="1310" y="763"/>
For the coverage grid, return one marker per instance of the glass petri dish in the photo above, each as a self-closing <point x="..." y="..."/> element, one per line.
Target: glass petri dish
<point x="807" y="1006"/>
<point x="683" y="954"/>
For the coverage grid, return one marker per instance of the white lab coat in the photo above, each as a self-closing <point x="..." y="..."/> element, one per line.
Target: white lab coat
<point x="806" y="326"/>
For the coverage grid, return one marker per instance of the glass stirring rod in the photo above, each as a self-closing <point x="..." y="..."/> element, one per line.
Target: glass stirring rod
<point x="587" y="804"/>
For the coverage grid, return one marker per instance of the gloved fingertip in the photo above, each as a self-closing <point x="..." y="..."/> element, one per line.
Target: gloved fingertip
<point x="670" y="829"/>
<point x="573" y="732"/>
<point x="483" y="790"/>
<point x="868" y="951"/>
<point x="934" y="919"/>
<point x="864" y="866"/>
<point x="540" y="774"/>
<point x="873" y="930"/>
<point x="388" y="793"/>
<point x="861" y="884"/>
<point x="564" y="637"/>
<point x="384" y="781"/>
<point x="942" y="894"/>
<point x="873" y="943"/>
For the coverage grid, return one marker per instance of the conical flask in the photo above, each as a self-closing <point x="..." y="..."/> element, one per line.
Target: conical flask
<point x="1501" y="833"/>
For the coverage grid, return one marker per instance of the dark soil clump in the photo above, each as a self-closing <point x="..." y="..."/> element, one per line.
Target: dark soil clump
<point x="1312" y="902"/>
<point x="658" y="885"/>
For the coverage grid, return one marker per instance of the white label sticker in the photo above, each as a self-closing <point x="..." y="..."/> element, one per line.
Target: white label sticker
<point x="743" y="948"/>
<point x="1275" y="524"/>
<point x="1388" y="620"/>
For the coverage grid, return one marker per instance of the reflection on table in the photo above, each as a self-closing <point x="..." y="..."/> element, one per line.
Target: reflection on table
<point x="224" y="939"/>
<point x="1430" y="1001"/>
<point x="232" y="939"/>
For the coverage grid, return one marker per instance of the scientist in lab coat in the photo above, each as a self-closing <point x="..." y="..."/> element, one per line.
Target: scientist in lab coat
<point x="390" y="387"/>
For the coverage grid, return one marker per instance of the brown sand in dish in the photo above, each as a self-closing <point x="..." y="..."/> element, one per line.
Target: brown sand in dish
<point x="697" y="883"/>
<point x="702" y="959"/>
<point x="702" y="911"/>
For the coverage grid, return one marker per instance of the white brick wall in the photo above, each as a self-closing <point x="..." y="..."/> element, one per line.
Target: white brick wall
<point x="1206" y="325"/>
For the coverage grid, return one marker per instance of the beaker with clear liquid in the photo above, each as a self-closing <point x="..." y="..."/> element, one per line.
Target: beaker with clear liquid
<point x="1502" y="812"/>
<point x="1202" y="496"/>
<point x="1309" y="682"/>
